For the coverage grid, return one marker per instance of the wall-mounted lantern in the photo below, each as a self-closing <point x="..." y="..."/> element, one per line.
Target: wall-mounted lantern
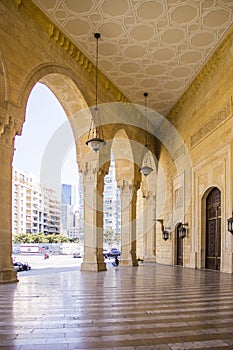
<point x="182" y="230"/>
<point x="230" y="224"/>
<point x="165" y="231"/>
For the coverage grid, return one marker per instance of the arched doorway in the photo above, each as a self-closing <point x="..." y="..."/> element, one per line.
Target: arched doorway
<point x="179" y="246"/>
<point x="213" y="230"/>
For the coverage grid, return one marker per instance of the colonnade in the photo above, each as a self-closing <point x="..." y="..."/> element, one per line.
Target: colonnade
<point x="93" y="181"/>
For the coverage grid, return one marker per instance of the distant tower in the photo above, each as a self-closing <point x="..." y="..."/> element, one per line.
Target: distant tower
<point x="67" y="203"/>
<point x="112" y="201"/>
<point x="66" y="194"/>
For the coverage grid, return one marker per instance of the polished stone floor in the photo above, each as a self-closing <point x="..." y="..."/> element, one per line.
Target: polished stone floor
<point x="145" y="307"/>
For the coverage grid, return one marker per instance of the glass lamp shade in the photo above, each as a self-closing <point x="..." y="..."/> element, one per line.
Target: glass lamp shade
<point x="95" y="137"/>
<point x="182" y="232"/>
<point x="95" y="143"/>
<point x="230" y="225"/>
<point x="146" y="170"/>
<point x="165" y="235"/>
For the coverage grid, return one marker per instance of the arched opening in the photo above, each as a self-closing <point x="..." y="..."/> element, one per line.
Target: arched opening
<point x="39" y="203"/>
<point x="111" y="209"/>
<point x="125" y="177"/>
<point x="213" y="230"/>
<point x="146" y="205"/>
<point x="179" y="246"/>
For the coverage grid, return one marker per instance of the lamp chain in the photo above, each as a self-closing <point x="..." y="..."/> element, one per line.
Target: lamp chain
<point x="145" y="95"/>
<point x="97" y="36"/>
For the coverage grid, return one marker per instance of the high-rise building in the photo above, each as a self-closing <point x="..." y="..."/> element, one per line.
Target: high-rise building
<point x="68" y="194"/>
<point x="79" y="214"/>
<point x="112" y="201"/>
<point x="35" y="207"/>
<point x="68" y="199"/>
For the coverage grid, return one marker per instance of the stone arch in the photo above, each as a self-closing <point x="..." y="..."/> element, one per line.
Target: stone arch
<point x="73" y="98"/>
<point x="63" y="82"/>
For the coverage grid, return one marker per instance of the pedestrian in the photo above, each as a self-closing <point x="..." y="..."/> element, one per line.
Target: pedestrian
<point x="116" y="261"/>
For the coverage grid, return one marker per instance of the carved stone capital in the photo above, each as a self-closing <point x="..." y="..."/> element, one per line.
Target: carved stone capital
<point x="128" y="188"/>
<point x="7" y="132"/>
<point x="93" y="175"/>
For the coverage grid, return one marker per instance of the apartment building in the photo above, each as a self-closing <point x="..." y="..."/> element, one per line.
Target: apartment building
<point x="112" y="201"/>
<point x="35" y="207"/>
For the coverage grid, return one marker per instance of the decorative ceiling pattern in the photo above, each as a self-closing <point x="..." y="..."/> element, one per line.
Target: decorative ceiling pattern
<point x="157" y="46"/>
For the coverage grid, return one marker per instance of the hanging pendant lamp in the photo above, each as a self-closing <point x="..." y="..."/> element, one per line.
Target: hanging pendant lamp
<point x="146" y="168"/>
<point x="95" y="136"/>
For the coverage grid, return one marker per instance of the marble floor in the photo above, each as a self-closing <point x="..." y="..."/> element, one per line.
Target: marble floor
<point x="146" y="307"/>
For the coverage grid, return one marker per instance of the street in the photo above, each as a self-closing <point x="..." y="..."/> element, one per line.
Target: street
<point x="55" y="263"/>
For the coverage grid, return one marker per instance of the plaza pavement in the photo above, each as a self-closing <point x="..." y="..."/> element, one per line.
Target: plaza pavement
<point x="149" y="307"/>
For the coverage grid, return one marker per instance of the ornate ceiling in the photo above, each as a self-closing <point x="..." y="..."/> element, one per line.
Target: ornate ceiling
<point x="155" y="46"/>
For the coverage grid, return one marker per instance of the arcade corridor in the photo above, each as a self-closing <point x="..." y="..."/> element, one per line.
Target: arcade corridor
<point x="151" y="306"/>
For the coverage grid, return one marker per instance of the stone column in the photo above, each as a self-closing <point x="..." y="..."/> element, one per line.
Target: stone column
<point x="128" y="223"/>
<point x="149" y="227"/>
<point x="7" y="272"/>
<point x="93" y="182"/>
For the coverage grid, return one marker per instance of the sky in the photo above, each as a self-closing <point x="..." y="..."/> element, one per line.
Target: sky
<point x="45" y="118"/>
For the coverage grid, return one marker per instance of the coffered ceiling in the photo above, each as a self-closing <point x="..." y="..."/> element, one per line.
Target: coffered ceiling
<point x="154" y="46"/>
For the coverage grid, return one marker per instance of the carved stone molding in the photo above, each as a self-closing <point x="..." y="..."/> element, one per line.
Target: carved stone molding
<point x="84" y="62"/>
<point x="213" y="123"/>
<point x="7" y="132"/>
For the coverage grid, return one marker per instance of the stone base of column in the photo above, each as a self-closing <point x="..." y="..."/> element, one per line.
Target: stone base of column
<point x="127" y="262"/>
<point x="8" y="276"/>
<point x="93" y="266"/>
<point x="193" y="260"/>
<point x="149" y="259"/>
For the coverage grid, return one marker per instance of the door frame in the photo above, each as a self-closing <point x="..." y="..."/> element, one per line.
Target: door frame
<point x="176" y="245"/>
<point x="203" y="226"/>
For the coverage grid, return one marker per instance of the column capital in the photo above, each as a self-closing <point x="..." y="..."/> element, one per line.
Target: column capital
<point x="11" y="117"/>
<point x="128" y="188"/>
<point x="92" y="170"/>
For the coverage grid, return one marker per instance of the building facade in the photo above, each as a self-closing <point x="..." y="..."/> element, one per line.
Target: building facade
<point x="112" y="202"/>
<point x="35" y="208"/>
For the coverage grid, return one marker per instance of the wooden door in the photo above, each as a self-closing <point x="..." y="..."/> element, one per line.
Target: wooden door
<point x="179" y="248"/>
<point x="213" y="230"/>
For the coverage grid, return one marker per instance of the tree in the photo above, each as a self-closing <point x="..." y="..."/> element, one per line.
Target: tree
<point x="40" y="238"/>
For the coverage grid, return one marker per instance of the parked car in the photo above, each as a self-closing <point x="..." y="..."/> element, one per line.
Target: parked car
<point x="112" y="253"/>
<point x="19" y="266"/>
<point x="77" y="255"/>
